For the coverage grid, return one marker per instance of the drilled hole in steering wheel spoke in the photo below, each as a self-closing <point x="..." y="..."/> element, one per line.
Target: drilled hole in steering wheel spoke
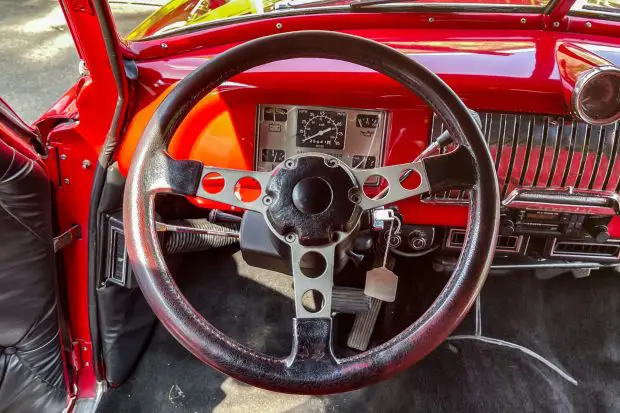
<point x="312" y="264"/>
<point x="247" y="189"/>
<point x="213" y="183"/>
<point x="412" y="179"/>
<point x="376" y="185"/>
<point x="312" y="301"/>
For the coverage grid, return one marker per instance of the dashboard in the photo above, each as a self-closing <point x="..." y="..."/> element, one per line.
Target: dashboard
<point x="559" y="175"/>
<point x="355" y="136"/>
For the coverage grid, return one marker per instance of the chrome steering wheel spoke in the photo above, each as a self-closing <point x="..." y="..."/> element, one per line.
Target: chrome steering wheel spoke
<point x="396" y="191"/>
<point x="224" y="182"/>
<point x="454" y="170"/>
<point x="313" y="279"/>
<point x="189" y="177"/>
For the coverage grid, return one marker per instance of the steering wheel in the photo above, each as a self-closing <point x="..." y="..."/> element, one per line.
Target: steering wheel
<point x="312" y="203"/>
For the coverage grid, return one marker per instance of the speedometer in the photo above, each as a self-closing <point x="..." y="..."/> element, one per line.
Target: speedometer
<point x="321" y="129"/>
<point x="356" y="136"/>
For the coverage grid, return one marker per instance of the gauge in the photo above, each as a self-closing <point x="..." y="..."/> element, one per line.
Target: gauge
<point x="321" y="129"/>
<point x="355" y="136"/>
<point x="367" y="121"/>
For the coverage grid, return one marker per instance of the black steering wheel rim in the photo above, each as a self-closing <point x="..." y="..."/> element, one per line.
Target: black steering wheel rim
<point x="285" y="375"/>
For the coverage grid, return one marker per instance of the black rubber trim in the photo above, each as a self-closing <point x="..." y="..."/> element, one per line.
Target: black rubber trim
<point x="219" y="351"/>
<point x="110" y="39"/>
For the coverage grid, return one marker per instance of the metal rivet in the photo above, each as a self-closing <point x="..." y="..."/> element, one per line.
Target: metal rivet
<point x="67" y="181"/>
<point x="355" y="198"/>
<point x="164" y="45"/>
<point x="523" y="20"/>
<point x="588" y="24"/>
<point x="86" y="364"/>
<point x="278" y="26"/>
<point x="267" y="200"/>
<point x="85" y="164"/>
<point x="556" y="24"/>
<point x="63" y="157"/>
<point x="431" y="19"/>
<point x="289" y="164"/>
<point x="290" y="237"/>
<point x="84" y="349"/>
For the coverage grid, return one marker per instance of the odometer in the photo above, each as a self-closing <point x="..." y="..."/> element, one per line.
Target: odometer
<point x="321" y="129"/>
<point x="355" y="136"/>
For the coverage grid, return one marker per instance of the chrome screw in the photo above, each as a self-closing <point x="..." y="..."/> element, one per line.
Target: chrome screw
<point x="588" y="24"/>
<point x="164" y="45"/>
<point x="289" y="164"/>
<point x="290" y="238"/>
<point x="556" y="24"/>
<point x="431" y="19"/>
<point x="267" y="200"/>
<point x="523" y="20"/>
<point x="85" y="164"/>
<point x="355" y="198"/>
<point x="279" y="26"/>
<point x="63" y="157"/>
<point x="67" y="181"/>
<point x="332" y="163"/>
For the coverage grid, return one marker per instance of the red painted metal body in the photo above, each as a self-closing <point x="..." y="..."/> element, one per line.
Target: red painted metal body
<point x="499" y="62"/>
<point x="508" y="71"/>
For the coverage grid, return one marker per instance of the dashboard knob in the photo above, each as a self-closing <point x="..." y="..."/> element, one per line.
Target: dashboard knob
<point x="507" y="227"/>
<point x="417" y="240"/>
<point x="600" y="233"/>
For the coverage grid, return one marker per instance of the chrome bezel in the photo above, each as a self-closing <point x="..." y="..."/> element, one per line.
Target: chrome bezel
<point x="583" y="79"/>
<point x="382" y="137"/>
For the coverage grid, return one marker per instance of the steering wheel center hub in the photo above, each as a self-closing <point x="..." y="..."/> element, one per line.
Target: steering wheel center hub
<point x="310" y="195"/>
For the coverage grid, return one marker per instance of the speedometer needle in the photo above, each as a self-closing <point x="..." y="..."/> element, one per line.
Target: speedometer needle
<point x="319" y="133"/>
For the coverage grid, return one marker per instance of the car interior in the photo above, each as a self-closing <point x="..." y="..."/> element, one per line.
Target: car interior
<point x="367" y="206"/>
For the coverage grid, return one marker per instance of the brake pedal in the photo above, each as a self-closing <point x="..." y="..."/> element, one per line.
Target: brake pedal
<point x="350" y="300"/>
<point x="363" y="326"/>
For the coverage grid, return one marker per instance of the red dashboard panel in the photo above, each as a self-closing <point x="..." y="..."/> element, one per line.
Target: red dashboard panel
<point x="516" y="73"/>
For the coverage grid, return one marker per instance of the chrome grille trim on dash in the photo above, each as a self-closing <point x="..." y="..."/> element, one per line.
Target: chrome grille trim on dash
<point x="545" y="152"/>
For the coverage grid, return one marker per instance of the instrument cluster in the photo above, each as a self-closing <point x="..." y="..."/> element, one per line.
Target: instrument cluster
<point x="356" y="136"/>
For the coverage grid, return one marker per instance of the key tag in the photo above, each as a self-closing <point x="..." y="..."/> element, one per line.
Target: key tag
<point x="381" y="283"/>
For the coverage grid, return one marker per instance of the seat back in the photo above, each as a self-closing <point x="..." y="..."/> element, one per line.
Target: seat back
<point x="31" y="373"/>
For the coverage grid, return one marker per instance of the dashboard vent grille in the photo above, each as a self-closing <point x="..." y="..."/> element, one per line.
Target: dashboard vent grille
<point x="505" y="243"/>
<point x="584" y="249"/>
<point x="537" y="151"/>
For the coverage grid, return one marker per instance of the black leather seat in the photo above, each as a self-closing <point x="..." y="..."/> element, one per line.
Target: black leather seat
<point x="31" y="374"/>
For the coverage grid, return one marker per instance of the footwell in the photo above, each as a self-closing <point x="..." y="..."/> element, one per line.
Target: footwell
<point x="574" y="324"/>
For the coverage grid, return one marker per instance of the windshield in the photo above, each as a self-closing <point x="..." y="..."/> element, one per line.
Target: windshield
<point x="164" y="17"/>
<point x="598" y="7"/>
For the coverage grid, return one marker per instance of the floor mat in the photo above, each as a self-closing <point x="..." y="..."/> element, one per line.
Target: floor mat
<point x="574" y="323"/>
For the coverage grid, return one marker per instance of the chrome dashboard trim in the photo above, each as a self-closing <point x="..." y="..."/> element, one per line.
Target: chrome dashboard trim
<point x="565" y="200"/>
<point x="582" y="81"/>
<point x="546" y="152"/>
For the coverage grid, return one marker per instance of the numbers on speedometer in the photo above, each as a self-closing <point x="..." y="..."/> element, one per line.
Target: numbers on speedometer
<point x="321" y="129"/>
